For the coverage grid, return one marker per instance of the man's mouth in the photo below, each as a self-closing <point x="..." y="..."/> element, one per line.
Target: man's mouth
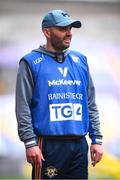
<point x="67" y="40"/>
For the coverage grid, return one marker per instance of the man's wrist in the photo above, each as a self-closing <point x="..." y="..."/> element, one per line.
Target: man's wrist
<point x="96" y="140"/>
<point x="30" y="143"/>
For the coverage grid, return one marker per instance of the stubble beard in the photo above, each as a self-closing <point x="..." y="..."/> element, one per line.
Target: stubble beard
<point x="59" y="45"/>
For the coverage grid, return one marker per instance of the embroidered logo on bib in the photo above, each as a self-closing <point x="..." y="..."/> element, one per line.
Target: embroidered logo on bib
<point x="75" y="58"/>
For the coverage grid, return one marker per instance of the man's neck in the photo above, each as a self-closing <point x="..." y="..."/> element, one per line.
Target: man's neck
<point x="58" y="56"/>
<point x="52" y="50"/>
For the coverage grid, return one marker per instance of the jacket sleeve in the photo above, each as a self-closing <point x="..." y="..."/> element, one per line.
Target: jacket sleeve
<point x="24" y="89"/>
<point x="94" y="126"/>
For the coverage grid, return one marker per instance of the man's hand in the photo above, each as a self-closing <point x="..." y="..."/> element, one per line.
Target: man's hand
<point x="34" y="155"/>
<point x="96" y="152"/>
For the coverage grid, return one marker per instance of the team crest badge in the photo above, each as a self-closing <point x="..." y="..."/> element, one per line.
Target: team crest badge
<point x="51" y="171"/>
<point x="75" y="58"/>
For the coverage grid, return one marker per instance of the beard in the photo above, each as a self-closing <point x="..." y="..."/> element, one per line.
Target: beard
<point x="60" y="44"/>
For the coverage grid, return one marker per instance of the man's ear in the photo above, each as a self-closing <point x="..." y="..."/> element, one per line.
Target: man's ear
<point x="46" y="32"/>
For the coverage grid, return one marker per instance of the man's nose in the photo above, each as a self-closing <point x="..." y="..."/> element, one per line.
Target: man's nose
<point x="68" y="31"/>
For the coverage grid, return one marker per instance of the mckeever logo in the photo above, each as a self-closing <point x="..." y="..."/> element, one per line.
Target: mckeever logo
<point x="64" y="82"/>
<point x="63" y="71"/>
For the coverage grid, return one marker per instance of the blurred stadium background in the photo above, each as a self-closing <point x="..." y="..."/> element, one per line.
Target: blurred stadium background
<point x="98" y="39"/>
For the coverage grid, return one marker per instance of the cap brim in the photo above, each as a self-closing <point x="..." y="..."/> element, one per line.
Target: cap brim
<point x="73" y="23"/>
<point x="76" y="24"/>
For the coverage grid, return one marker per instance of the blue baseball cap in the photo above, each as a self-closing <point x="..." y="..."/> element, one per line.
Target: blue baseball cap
<point x="59" y="18"/>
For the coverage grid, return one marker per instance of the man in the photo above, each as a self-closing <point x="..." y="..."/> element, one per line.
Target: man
<point x="55" y="105"/>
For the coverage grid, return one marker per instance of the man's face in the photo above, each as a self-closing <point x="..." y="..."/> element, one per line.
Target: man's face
<point x="60" y="37"/>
